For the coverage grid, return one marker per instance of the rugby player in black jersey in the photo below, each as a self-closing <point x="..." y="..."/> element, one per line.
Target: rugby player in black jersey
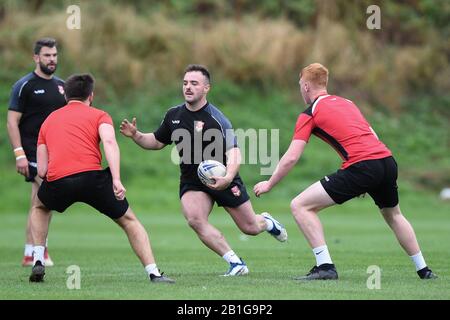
<point x="201" y="132"/>
<point x="33" y="98"/>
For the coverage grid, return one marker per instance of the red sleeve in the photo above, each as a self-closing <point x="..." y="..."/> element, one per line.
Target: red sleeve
<point x="41" y="138"/>
<point x="303" y="127"/>
<point x="105" y="118"/>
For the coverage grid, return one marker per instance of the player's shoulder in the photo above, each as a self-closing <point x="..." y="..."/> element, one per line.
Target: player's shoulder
<point x="29" y="76"/>
<point x="212" y="108"/>
<point x="175" y="110"/>
<point x="327" y="100"/>
<point x="215" y="112"/>
<point x="334" y="99"/>
<point x="312" y="108"/>
<point x="58" y="80"/>
<point x="22" y="82"/>
<point x="218" y="116"/>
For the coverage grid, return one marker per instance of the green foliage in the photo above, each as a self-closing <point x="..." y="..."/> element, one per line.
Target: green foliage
<point x="137" y="51"/>
<point x="140" y="45"/>
<point x="437" y="13"/>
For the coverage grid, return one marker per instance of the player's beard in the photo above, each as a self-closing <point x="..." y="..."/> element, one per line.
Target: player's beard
<point x="46" y="70"/>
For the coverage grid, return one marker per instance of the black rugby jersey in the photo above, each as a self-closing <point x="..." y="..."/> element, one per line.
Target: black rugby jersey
<point x="35" y="98"/>
<point x="199" y="135"/>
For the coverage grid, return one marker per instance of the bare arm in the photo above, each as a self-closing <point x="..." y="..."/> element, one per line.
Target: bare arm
<point x="16" y="143"/>
<point x="233" y="162"/>
<point x="285" y="165"/>
<point x="147" y="141"/>
<point x="42" y="160"/>
<point x="112" y="154"/>
<point x="144" y="140"/>
<point x="13" y="128"/>
<point x="288" y="160"/>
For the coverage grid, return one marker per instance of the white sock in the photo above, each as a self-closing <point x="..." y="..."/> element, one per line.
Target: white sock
<point x="28" y="250"/>
<point x="38" y="254"/>
<point x="152" y="269"/>
<point x="322" y="255"/>
<point x="419" y="261"/>
<point x="269" y="224"/>
<point x="231" y="257"/>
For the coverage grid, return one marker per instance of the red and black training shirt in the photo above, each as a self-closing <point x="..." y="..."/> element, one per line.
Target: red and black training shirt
<point x="340" y="123"/>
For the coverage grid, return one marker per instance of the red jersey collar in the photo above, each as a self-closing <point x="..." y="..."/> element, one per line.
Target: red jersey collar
<point x="320" y="95"/>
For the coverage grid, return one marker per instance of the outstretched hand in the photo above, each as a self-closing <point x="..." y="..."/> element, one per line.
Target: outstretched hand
<point x="127" y="128"/>
<point x="262" y="187"/>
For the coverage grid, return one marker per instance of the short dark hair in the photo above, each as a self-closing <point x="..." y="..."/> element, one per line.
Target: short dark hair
<point x="44" y="42"/>
<point x="79" y="86"/>
<point x="199" y="68"/>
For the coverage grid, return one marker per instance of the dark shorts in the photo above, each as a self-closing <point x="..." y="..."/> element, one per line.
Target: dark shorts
<point x="91" y="187"/>
<point x="32" y="174"/>
<point x="232" y="197"/>
<point x="378" y="178"/>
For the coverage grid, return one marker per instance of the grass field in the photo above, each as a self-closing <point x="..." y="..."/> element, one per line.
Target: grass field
<point x="356" y="234"/>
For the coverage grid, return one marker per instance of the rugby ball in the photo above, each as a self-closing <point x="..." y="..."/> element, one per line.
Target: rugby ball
<point x="209" y="168"/>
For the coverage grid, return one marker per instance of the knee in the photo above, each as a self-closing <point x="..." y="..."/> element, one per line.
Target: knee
<point x="196" y="223"/>
<point x="391" y="215"/>
<point x="296" y="206"/>
<point x="128" y="220"/>
<point x="299" y="208"/>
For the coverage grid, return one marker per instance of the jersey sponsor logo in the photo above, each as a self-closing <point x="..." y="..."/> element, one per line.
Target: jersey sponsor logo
<point x="236" y="192"/>
<point x="40" y="91"/>
<point x="61" y="89"/>
<point x="198" y="126"/>
<point x="175" y="121"/>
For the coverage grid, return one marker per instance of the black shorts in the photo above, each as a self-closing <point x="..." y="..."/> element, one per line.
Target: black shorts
<point x="91" y="187"/>
<point x="378" y="178"/>
<point x="32" y="173"/>
<point x="232" y="197"/>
